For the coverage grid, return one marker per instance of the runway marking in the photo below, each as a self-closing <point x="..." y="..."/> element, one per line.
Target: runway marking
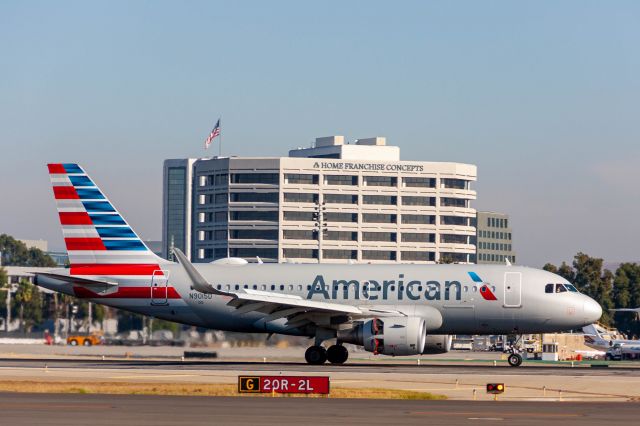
<point x="152" y="376"/>
<point x="475" y="413"/>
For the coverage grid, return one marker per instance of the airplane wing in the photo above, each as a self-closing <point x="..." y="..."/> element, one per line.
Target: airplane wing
<point x="298" y="311"/>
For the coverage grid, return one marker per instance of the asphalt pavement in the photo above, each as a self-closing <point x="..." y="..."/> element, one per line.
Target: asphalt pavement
<point x="125" y="410"/>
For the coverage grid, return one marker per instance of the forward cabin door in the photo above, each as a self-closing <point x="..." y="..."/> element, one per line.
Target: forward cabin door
<point x="512" y="289"/>
<point x="159" y="283"/>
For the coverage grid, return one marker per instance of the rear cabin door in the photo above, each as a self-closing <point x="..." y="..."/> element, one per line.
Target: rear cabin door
<point x="512" y="289"/>
<point x="159" y="283"/>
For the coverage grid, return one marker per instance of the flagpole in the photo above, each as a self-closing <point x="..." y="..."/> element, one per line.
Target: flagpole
<point x="220" y="148"/>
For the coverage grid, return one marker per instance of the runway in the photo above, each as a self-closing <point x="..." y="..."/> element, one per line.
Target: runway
<point x="350" y="367"/>
<point x="125" y="410"/>
<point x="455" y="381"/>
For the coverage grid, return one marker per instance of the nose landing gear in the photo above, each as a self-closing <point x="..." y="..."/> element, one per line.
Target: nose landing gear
<point x="514" y="360"/>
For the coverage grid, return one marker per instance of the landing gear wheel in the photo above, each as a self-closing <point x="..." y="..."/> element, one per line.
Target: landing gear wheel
<point x="515" y="360"/>
<point x="337" y="354"/>
<point x="316" y="355"/>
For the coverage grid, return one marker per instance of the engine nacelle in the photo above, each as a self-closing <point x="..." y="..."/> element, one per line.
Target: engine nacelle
<point x="437" y="344"/>
<point x="389" y="336"/>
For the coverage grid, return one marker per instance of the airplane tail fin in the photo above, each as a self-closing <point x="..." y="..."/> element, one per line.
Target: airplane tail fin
<point x="591" y="330"/>
<point x="98" y="239"/>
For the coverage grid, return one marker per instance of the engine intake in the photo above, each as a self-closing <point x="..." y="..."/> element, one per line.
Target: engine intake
<point x="389" y="336"/>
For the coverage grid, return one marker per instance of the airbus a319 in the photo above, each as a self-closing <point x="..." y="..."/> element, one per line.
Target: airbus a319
<point x="389" y="309"/>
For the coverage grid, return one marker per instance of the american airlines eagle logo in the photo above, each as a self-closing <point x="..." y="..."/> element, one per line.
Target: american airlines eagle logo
<point x="485" y="290"/>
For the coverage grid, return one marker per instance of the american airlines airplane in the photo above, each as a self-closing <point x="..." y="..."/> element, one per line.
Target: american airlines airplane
<point x="393" y="309"/>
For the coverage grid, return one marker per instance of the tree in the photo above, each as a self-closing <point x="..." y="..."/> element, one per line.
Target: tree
<point x="594" y="282"/>
<point x="15" y="252"/>
<point x="626" y="294"/>
<point x="28" y="301"/>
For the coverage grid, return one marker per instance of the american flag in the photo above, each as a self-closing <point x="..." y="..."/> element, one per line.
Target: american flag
<point x="215" y="132"/>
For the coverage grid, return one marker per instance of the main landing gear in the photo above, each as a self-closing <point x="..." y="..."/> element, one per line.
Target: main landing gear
<point x="336" y="354"/>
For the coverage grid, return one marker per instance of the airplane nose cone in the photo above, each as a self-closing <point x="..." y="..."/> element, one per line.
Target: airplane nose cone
<point x="592" y="311"/>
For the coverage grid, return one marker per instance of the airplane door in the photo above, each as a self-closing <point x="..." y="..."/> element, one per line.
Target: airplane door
<point x="159" y="283"/>
<point x="512" y="289"/>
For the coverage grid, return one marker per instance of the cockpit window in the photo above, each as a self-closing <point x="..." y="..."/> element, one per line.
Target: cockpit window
<point x="548" y="288"/>
<point x="560" y="288"/>
<point x="571" y="287"/>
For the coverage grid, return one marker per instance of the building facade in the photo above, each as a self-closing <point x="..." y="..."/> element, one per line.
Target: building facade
<point x="330" y="203"/>
<point x="494" y="238"/>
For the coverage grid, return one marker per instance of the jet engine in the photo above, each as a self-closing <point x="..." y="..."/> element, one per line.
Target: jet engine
<point x="437" y="344"/>
<point x="388" y="336"/>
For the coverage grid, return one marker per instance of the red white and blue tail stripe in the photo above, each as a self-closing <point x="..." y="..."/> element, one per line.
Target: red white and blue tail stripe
<point x="98" y="239"/>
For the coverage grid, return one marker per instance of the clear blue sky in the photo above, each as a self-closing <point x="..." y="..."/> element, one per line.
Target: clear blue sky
<point x="542" y="96"/>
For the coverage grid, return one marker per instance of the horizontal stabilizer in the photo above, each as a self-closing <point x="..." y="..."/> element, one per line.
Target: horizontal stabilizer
<point x="96" y="286"/>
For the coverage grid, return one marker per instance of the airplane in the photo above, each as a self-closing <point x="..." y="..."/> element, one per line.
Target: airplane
<point x="389" y="309"/>
<point x="596" y="337"/>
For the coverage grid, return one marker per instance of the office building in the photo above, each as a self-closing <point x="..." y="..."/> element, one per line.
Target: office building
<point x="494" y="238"/>
<point x="333" y="202"/>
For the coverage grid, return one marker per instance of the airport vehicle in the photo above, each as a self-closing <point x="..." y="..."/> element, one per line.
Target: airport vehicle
<point x="597" y="337"/>
<point x="84" y="340"/>
<point x="620" y="351"/>
<point x="390" y="309"/>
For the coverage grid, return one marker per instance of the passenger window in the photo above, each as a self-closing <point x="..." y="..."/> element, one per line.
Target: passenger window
<point x="466" y="289"/>
<point x="237" y="287"/>
<point x="255" y="287"/>
<point x="493" y="288"/>
<point x="560" y="288"/>
<point x="246" y="286"/>
<point x="219" y="286"/>
<point x="548" y="288"/>
<point x="281" y="287"/>
<point x="263" y="287"/>
<point x="273" y="287"/>
<point x="475" y="288"/>
<point x="299" y="288"/>
<point x="290" y="288"/>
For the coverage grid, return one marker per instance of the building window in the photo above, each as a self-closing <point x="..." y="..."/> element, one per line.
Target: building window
<point x="453" y="257"/>
<point x="219" y="217"/>
<point x="419" y="182"/>
<point x="300" y="179"/>
<point x="297" y="234"/>
<point x="454" y="202"/>
<point x="422" y="219"/>
<point x="379" y="218"/>
<point x="341" y="180"/>
<point x="341" y="217"/>
<point x="380" y="181"/>
<point x="341" y="236"/>
<point x="255" y="215"/>
<point x="254" y="197"/>
<point x="300" y="253"/>
<point x="254" y="234"/>
<point x="380" y="199"/>
<point x="455" y="183"/>
<point x="415" y="237"/>
<point x="265" y="253"/>
<point x="340" y="254"/>
<point x="378" y="255"/>
<point x="418" y="201"/>
<point x="298" y="216"/>
<point x="256" y="178"/>
<point x="218" y="179"/>
<point x="295" y="197"/>
<point x="176" y="202"/>
<point x="340" y="199"/>
<point x="454" y="220"/>
<point x="453" y="239"/>
<point x="379" y="236"/>
<point x="418" y="256"/>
